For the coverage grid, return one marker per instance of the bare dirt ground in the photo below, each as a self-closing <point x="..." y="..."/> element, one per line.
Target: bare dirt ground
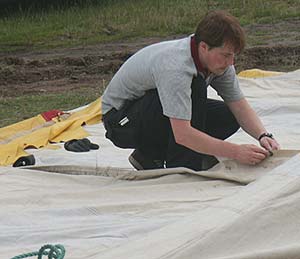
<point x="272" y="47"/>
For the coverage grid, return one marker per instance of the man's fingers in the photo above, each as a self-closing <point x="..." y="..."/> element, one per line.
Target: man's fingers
<point x="270" y="144"/>
<point x="260" y="151"/>
<point x="275" y="145"/>
<point x="267" y="146"/>
<point x="251" y="154"/>
<point x="259" y="156"/>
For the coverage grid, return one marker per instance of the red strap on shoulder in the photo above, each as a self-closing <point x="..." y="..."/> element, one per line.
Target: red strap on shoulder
<point x="195" y="56"/>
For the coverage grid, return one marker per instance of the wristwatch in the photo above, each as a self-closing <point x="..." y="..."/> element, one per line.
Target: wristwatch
<point x="268" y="135"/>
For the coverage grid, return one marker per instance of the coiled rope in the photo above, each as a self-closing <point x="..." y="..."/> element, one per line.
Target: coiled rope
<point x="53" y="252"/>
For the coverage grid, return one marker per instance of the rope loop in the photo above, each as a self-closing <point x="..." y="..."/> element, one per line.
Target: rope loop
<point x="53" y="252"/>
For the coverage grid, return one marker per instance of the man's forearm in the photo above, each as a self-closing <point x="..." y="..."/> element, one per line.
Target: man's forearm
<point x="203" y="143"/>
<point x="247" y="118"/>
<point x="251" y="124"/>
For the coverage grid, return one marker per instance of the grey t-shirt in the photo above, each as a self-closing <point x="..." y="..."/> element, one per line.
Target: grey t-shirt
<point x="169" y="67"/>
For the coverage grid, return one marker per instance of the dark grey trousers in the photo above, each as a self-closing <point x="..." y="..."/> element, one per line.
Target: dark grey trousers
<point x="140" y="124"/>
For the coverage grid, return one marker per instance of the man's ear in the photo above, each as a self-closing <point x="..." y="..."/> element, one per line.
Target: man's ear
<point x="203" y="46"/>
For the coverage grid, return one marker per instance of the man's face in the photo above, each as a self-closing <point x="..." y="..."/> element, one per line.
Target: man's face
<point x="216" y="60"/>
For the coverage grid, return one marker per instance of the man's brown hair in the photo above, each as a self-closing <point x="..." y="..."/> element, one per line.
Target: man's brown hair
<point x="218" y="28"/>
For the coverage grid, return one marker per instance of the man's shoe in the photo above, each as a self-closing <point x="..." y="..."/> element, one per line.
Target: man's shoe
<point x="140" y="162"/>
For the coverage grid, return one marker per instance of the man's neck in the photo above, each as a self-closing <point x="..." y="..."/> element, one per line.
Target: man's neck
<point x="196" y="58"/>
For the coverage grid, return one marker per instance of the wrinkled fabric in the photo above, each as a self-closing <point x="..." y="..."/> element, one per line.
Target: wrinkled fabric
<point x="36" y="132"/>
<point x="97" y="206"/>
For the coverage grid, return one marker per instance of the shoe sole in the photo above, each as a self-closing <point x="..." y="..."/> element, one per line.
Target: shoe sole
<point x="135" y="163"/>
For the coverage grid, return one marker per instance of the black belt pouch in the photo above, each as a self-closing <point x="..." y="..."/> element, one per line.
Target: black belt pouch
<point x="122" y="125"/>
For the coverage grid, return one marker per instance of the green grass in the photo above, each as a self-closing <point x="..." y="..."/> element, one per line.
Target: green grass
<point x="16" y="109"/>
<point x="111" y="20"/>
<point x="91" y="22"/>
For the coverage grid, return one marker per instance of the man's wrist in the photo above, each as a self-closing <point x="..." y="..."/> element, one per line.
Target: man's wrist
<point x="230" y="150"/>
<point x="265" y="134"/>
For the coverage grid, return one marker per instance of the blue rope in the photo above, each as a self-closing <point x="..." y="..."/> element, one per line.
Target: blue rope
<point x="55" y="252"/>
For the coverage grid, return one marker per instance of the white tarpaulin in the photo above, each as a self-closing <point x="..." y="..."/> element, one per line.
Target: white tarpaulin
<point x="97" y="207"/>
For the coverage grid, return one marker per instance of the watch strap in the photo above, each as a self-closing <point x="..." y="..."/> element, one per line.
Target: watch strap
<point x="268" y="135"/>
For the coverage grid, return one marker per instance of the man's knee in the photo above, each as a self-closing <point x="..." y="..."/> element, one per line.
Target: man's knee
<point x="232" y="122"/>
<point x="221" y="123"/>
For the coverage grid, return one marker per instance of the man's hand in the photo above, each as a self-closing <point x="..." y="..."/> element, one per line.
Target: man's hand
<point x="269" y="143"/>
<point x="251" y="154"/>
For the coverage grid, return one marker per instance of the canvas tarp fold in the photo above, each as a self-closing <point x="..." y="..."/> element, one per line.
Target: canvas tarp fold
<point x="36" y="132"/>
<point x="98" y="207"/>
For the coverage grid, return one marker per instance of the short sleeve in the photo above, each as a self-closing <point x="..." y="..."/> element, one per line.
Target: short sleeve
<point x="174" y="89"/>
<point x="227" y="86"/>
